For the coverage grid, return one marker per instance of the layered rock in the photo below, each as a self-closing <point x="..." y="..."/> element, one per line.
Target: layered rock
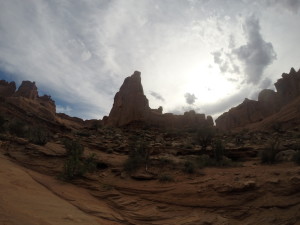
<point x="7" y="89"/>
<point x="131" y="105"/>
<point x="269" y="102"/>
<point x="27" y="99"/>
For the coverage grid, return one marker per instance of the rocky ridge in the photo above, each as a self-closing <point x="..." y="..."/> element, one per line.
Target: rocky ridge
<point x="269" y="103"/>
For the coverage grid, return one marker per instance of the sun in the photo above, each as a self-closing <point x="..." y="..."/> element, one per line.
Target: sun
<point x="208" y="84"/>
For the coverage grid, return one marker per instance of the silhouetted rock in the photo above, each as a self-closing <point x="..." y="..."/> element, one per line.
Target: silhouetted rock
<point x="269" y="102"/>
<point x="27" y="89"/>
<point x="130" y="103"/>
<point x="7" y="89"/>
<point x="131" y="106"/>
<point x="288" y="87"/>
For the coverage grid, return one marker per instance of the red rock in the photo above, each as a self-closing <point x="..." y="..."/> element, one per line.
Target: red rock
<point x="7" y="89"/>
<point x="27" y="89"/>
<point x="130" y="103"/>
<point x="269" y="102"/>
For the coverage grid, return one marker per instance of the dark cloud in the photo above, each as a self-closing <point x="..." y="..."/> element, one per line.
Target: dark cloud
<point x="225" y="60"/>
<point x="157" y="96"/>
<point x="190" y="98"/>
<point x="257" y="54"/>
<point x="290" y="5"/>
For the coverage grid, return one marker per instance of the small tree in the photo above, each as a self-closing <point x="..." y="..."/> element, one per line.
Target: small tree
<point x="219" y="150"/>
<point x="139" y="155"/>
<point x="76" y="165"/>
<point x="204" y="136"/>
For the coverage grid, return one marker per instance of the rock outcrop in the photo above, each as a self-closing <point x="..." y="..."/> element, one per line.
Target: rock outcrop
<point x="7" y="89"/>
<point x="131" y="105"/>
<point x="26" y="98"/>
<point x="269" y="102"/>
<point x="27" y="89"/>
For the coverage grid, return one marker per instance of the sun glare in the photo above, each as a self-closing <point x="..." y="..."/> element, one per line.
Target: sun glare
<point x="208" y="84"/>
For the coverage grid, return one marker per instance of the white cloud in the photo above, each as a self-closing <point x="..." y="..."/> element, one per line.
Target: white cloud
<point x="79" y="52"/>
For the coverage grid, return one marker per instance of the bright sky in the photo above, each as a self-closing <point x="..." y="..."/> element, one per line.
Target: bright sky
<point x="206" y="55"/>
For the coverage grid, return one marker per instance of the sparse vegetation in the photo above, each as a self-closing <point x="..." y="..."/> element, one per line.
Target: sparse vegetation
<point x="219" y="151"/>
<point x="189" y="167"/>
<point x="2" y="122"/>
<point x="204" y="137"/>
<point x="296" y="158"/>
<point x="165" y="178"/>
<point x="38" y="135"/>
<point x="17" y="127"/>
<point x="138" y="156"/>
<point x="267" y="156"/>
<point x="75" y="165"/>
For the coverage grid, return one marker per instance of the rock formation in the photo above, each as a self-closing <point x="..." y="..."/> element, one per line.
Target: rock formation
<point x="7" y="89"/>
<point x="131" y="105"/>
<point x="27" y="99"/>
<point x="269" y="102"/>
<point x="27" y="89"/>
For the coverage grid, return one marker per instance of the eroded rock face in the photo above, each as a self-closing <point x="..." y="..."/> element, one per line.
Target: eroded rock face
<point x="269" y="102"/>
<point x="288" y="87"/>
<point x="7" y="89"/>
<point x="130" y="103"/>
<point x="27" y="89"/>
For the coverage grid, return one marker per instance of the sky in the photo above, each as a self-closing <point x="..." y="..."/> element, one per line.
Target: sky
<point x="202" y="55"/>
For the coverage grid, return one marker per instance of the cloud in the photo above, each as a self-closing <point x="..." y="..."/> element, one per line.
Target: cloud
<point x="290" y="5"/>
<point x="190" y="98"/>
<point x="157" y="96"/>
<point x="257" y="54"/>
<point x="63" y="109"/>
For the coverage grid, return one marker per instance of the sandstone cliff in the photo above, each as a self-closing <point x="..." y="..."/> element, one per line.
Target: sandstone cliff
<point x="131" y="105"/>
<point x="269" y="102"/>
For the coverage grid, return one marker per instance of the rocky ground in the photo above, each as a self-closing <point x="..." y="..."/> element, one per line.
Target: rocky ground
<point x="243" y="192"/>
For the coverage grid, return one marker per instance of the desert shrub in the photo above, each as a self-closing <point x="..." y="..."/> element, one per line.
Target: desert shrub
<point x="2" y="122"/>
<point x="296" y="157"/>
<point x="219" y="150"/>
<point x="75" y="165"/>
<point x="38" y="135"/>
<point x="138" y="156"/>
<point x="204" y="136"/>
<point x="83" y="133"/>
<point x="268" y="156"/>
<point x="165" y="178"/>
<point x="17" y="127"/>
<point x="205" y="161"/>
<point x="90" y="163"/>
<point x="189" y="167"/>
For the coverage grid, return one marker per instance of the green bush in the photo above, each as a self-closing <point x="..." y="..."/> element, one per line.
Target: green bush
<point x="138" y="156"/>
<point x="165" y="178"/>
<point x="75" y="165"/>
<point x="205" y="136"/>
<point x="17" y="127"/>
<point x="267" y="156"/>
<point x="38" y="135"/>
<point x="219" y="151"/>
<point x="189" y="167"/>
